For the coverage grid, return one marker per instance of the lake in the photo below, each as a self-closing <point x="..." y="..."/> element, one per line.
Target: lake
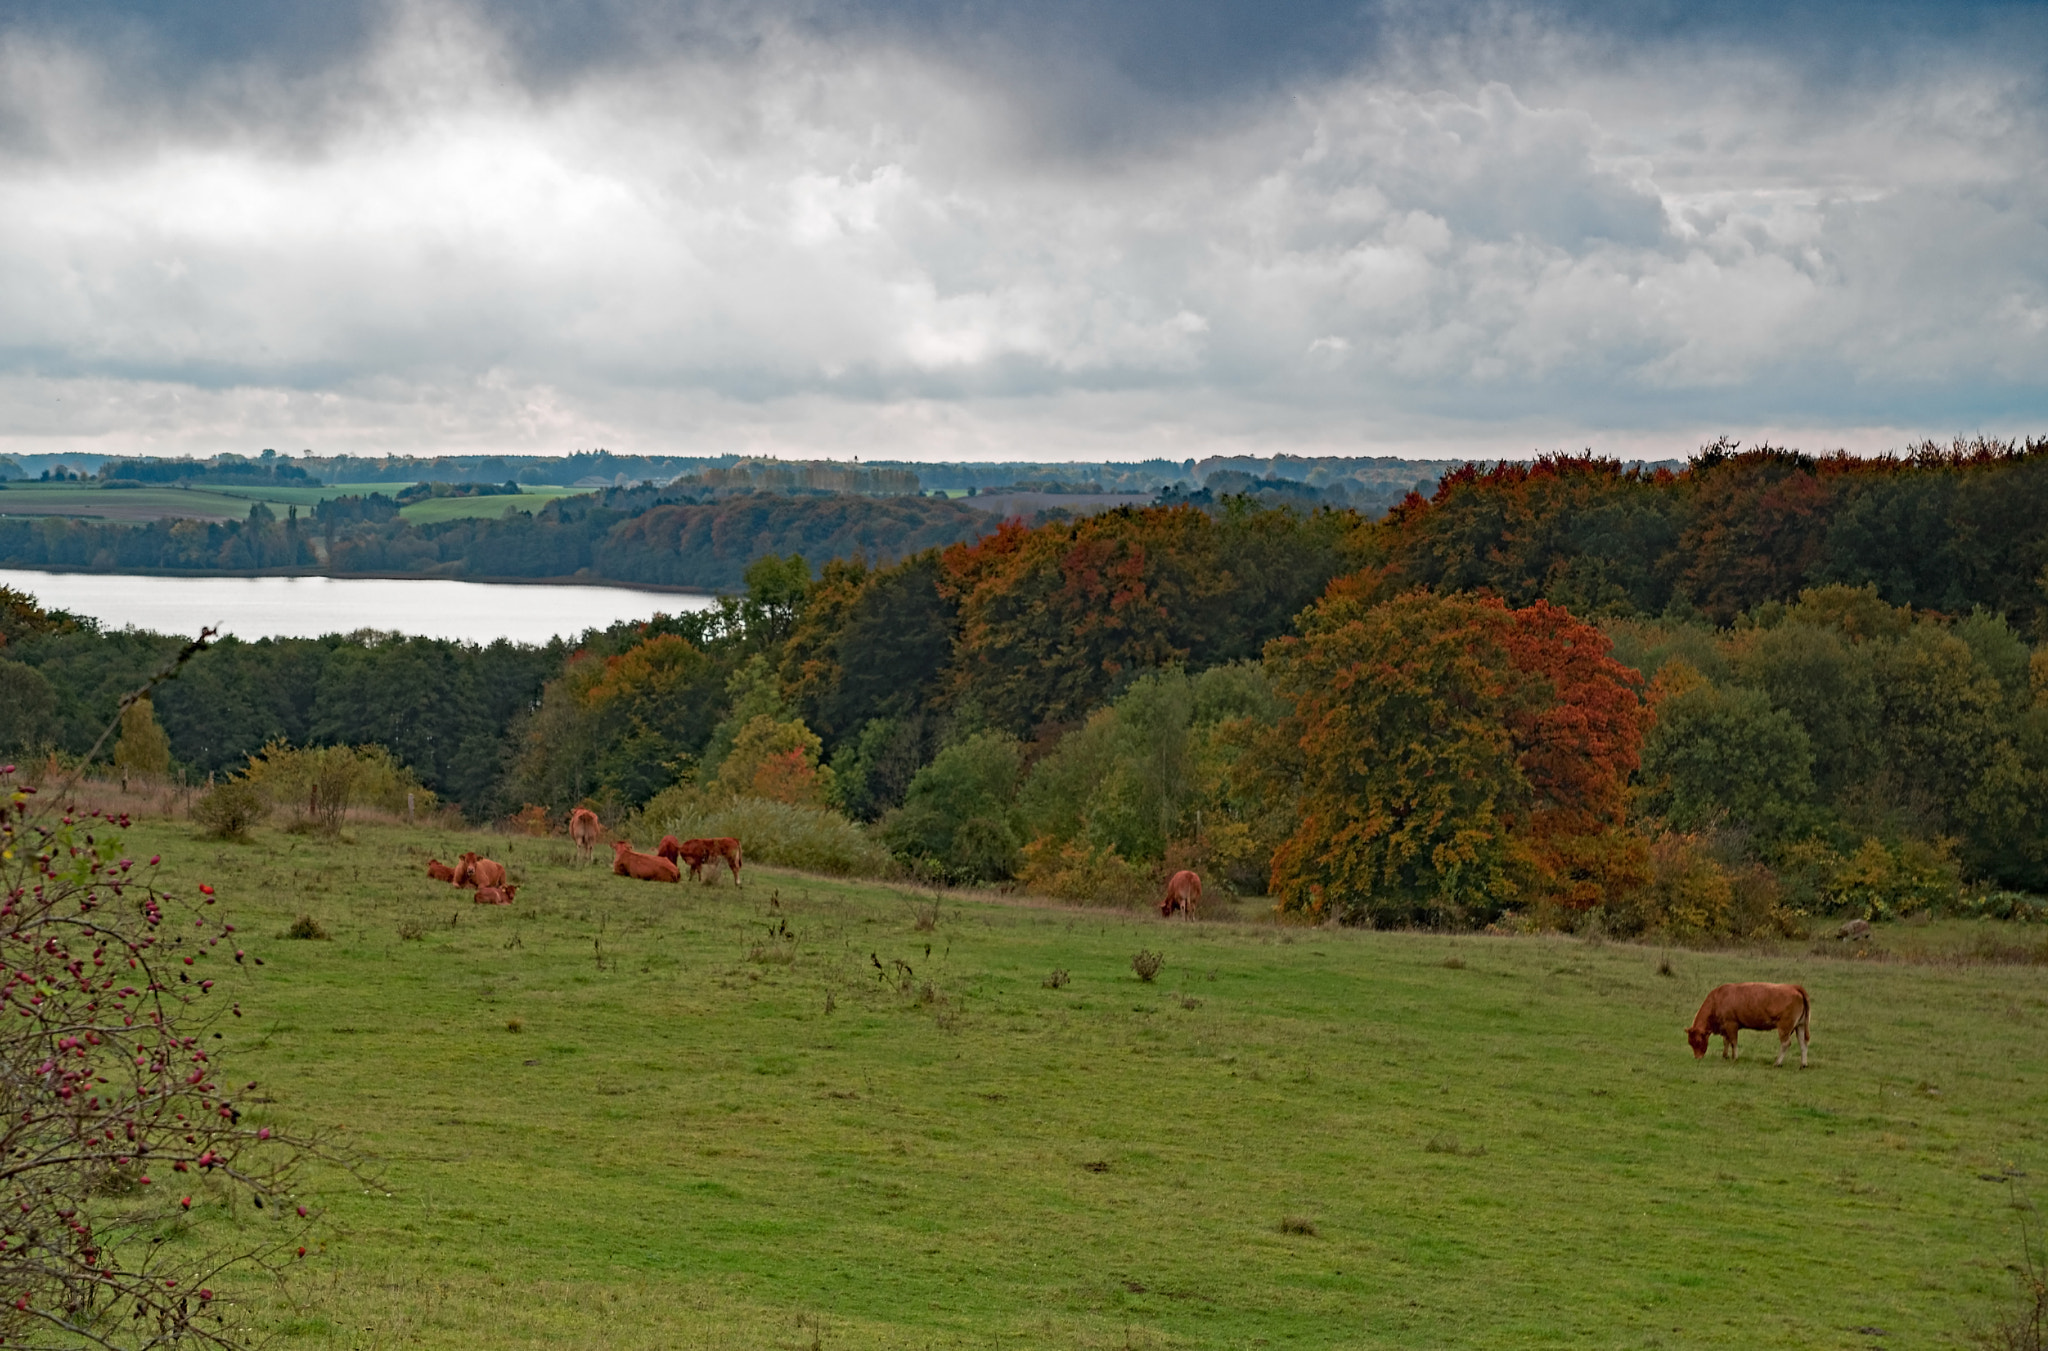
<point x="307" y="607"/>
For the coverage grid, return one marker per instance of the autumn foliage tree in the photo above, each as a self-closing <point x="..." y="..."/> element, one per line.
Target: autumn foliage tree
<point x="1455" y="757"/>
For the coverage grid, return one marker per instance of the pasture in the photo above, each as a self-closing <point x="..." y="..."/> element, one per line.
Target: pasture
<point x="155" y="501"/>
<point x="840" y="1114"/>
<point x="436" y="509"/>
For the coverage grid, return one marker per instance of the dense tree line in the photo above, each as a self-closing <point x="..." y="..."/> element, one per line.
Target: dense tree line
<point x="1942" y="528"/>
<point x="1567" y="692"/>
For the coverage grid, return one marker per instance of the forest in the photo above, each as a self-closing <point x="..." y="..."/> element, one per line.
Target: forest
<point x="1566" y="692"/>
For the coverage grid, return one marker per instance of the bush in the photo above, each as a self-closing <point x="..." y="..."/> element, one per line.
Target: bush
<point x="320" y="783"/>
<point x="229" y="809"/>
<point x="1692" y="894"/>
<point x="782" y="833"/>
<point x="1075" y="872"/>
<point x="1878" y="881"/>
<point x="1148" y="964"/>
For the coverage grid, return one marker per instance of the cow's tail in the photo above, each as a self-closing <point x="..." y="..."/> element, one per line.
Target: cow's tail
<point x="1805" y="1024"/>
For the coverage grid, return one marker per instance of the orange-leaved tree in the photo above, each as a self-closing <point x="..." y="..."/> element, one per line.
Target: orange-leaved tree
<point x="1456" y="757"/>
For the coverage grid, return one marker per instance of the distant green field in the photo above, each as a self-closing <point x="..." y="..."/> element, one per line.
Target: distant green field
<point x="460" y="508"/>
<point x="630" y="1115"/>
<point x="157" y="502"/>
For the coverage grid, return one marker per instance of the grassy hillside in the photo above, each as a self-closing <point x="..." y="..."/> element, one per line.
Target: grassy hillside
<point x="632" y="1115"/>
<point x="462" y="508"/>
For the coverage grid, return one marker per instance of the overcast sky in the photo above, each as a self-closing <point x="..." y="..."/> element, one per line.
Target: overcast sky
<point x="1039" y="229"/>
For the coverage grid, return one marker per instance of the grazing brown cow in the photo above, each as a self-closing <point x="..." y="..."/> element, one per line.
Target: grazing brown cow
<point x="691" y="854"/>
<point x="583" y="830"/>
<point x="496" y="895"/>
<point x="1756" y="1005"/>
<point x="642" y="867"/>
<point x="479" y="872"/>
<point x="440" y="871"/>
<point x="1183" y="893"/>
<point x="727" y="848"/>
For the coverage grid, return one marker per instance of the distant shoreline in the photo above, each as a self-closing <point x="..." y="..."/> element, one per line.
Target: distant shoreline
<point x="610" y="583"/>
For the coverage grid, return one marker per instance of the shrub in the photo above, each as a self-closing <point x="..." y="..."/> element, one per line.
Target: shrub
<point x="319" y="784"/>
<point x="1148" y="964"/>
<point x="1692" y="894"/>
<point x="305" y="926"/>
<point x="782" y="833"/>
<point x="229" y="809"/>
<point x="108" y="1083"/>
<point x="532" y="819"/>
<point x="1075" y="871"/>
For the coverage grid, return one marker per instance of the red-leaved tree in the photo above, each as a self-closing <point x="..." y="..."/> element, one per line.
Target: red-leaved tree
<point x="1456" y="757"/>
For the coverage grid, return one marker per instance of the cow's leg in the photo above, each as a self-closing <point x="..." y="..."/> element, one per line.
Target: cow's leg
<point x="1805" y="1038"/>
<point x="1729" y="1050"/>
<point x="1784" y="1040"/>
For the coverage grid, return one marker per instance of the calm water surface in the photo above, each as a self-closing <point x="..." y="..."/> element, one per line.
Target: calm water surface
<point x="307" y="607"/>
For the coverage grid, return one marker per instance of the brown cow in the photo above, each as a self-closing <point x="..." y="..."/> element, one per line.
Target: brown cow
<point x="642" y="867"/>
<point x="440" y="871"/>
<point x="727" y="848"/>
<point x="1756" y="1005"/>
<point x="496" y="895"/>
<point x="479" y="872"/>
<point x="583" y="829"/>
<point x="1183" y="893"/>
<point x="691" y="854"/>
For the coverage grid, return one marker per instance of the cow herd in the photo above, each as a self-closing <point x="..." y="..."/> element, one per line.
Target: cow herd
<point x="487" y="876"/>
<point x="1728" y="1010"/>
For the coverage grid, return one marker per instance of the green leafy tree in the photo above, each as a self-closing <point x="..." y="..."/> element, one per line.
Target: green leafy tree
<point x="1725" y="757"/>
<point x="142" y="749"/>
<point x="960" y="816"/>
<point x="28" y="710"/>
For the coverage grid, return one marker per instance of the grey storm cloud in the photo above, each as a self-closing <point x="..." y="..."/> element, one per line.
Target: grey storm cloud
<point x="934" y="229"/>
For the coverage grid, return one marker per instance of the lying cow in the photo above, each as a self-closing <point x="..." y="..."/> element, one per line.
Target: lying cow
<point x="583" y="829"/>
<point x="1183" y="894"/>
<point x="479" y="872"/>
<point x="642" y="867"/>
<point x="440" y="871"/>
<point x="1755" y="1005"/>
<point x="496" y="895"/>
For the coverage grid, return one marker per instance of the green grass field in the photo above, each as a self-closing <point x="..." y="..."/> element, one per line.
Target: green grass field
<point x="154" y="502"/>
<point x="703" y="1133"/>
<point x="458" y="508"/>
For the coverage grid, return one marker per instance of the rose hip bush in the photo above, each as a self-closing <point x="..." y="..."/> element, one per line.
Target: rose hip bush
<point x="125" y="1158"/>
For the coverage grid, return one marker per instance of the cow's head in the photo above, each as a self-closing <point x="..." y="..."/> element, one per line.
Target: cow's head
<point x="1698" y="1038"/>
<point x="622" y="847"/>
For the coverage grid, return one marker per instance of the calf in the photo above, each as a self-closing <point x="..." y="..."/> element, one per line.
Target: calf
<point x="642" y="867"/>
<point x="440" y="871"/>
<point x="583" y="830"/>
<point x="1183" y="893"/>
<point x="479" y="872"/>
<point x="1755" y="1005"/>
<point x="496" y="895"/>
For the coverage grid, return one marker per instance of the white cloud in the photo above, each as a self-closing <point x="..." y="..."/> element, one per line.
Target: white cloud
<point x="855" y="247"/>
